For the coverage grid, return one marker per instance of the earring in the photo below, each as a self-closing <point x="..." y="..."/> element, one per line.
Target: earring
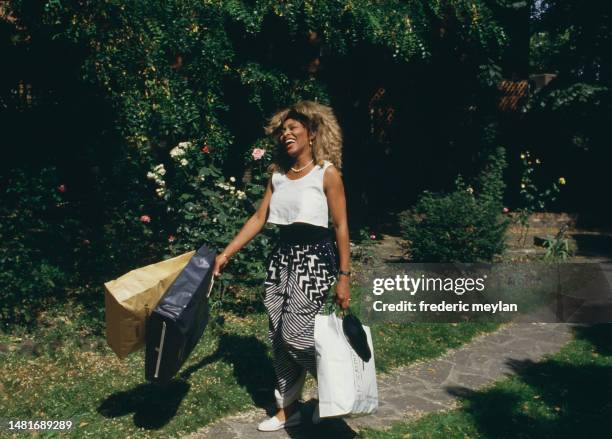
<point x="310" y="143"/>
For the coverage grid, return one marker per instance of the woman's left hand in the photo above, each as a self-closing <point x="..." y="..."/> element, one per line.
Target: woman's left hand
<point x="343" y="293"/>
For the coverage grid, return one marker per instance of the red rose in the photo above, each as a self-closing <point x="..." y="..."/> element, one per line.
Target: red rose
<point x="62" y="188"/>
<point x="171" y="238"/>
<point x="205" y="149"/>
<point x="145" y="219"/>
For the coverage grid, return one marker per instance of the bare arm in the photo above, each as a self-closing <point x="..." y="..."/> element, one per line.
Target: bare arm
<point x="336" y="200"/>
<point x="251" y="228"/>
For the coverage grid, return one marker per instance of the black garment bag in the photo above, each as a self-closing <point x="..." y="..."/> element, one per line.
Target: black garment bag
<point x="178" y="321"/>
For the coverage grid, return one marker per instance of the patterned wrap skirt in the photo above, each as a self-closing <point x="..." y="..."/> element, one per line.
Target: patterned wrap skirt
<point x="301" y="272"/>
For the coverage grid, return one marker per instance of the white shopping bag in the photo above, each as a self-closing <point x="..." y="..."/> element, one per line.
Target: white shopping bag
<point x="347" y="384"/>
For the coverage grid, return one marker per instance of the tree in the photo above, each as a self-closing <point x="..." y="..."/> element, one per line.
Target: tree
<point x="568" y="120"/>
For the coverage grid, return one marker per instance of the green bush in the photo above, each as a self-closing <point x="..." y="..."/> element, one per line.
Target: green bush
<point x="30" y="274"/>
<point x="47" y="246"/>
<point x="465" y="225"/>
<point x="28" y="285"/>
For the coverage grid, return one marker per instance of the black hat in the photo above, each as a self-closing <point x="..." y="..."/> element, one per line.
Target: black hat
<point x="354" y="332"/>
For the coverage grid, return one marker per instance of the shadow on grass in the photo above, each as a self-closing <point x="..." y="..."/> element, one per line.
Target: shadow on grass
<point x="252" y="365"/>
<point x="600" y="336"/>
<point x="153" y="405"/>
<point x="562" y="399"/>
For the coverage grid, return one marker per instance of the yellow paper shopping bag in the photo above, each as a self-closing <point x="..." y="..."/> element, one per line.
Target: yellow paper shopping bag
<point x="130" y="299"/>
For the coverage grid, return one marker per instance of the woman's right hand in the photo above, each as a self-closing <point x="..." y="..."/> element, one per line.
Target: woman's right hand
<point x="220" y="262"/>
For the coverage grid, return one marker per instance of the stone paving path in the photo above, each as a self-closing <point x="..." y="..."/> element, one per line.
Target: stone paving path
<point x="409" y="392"/>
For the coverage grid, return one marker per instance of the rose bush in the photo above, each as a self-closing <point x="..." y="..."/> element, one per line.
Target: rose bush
<point x="208" y="208"/>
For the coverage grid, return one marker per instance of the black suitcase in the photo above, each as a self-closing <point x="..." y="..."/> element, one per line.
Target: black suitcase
<point x="178" y="321"/>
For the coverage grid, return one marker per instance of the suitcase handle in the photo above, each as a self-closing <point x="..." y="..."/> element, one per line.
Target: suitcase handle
<point x="212" y="282"/>
<point x="160" y="349"/>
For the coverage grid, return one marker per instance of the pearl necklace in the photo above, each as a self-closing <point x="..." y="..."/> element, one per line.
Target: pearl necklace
<point x="301" y="169"/>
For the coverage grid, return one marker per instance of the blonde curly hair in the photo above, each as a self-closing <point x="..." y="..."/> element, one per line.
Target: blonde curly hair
<point x="318" y="119"/>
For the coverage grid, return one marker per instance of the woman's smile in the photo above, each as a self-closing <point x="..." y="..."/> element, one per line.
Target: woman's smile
<point x="289" y="143"/>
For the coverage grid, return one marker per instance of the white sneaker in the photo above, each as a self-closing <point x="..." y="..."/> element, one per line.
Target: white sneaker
<point x="274" y="424"/>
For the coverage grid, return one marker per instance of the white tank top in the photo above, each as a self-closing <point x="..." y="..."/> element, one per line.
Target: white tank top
<point x="299" y="201"/>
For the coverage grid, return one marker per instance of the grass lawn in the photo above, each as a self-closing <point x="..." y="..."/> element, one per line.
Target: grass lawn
<point x="76" y="377"/>
<point x="567" y="395"/>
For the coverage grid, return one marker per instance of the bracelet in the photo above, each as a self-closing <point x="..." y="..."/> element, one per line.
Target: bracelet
<point x="344" y="273"/>
<point x="226" y="256"/>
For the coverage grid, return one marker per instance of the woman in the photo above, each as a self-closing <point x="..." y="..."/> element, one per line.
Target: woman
<point x="305" y="188"/>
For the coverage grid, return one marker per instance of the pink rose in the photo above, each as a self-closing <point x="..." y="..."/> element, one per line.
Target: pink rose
<point x="258" y="153"/>
<point x="86" y="242"/>
<point x="171" y="238"/>
<point x="62" y="188"/>
<point x="505" y="210"/>
<point x="372" y="236"/>
<point x="145" y="219"/>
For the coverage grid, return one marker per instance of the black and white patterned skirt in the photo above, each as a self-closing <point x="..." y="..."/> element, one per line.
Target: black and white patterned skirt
<point x="301" y="272"/>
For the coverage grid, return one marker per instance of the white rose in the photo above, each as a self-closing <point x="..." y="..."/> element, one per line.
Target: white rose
<point x="184" y="162"/>
<point x="159" y="169"/>
<point x="176" y="152"/>
<point x="184" y="144"/>
<point x="232" y="179"/>
<point x="151" y="175"/>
